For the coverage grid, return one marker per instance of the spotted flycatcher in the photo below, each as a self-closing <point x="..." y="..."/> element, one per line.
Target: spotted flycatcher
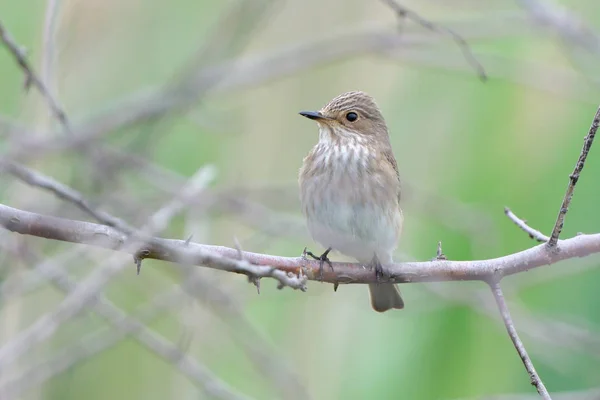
<point x="350" y="189"/>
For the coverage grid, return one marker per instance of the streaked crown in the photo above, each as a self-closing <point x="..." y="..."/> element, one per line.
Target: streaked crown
<point x="359" y="102"/>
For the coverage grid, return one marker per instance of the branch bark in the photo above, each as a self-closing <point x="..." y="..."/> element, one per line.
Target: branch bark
<point x="292" y="271"/>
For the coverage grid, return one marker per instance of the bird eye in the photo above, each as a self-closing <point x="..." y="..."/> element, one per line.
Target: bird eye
<point x="352" y="116"/>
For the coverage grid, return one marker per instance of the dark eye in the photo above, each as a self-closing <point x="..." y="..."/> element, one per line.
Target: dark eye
<point x="352" y="116"/>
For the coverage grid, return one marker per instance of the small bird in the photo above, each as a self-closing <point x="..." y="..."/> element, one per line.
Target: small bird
<point x="350" y="189"/>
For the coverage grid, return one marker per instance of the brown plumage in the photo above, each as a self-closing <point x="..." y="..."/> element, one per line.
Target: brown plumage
<point x="350" y="188"/>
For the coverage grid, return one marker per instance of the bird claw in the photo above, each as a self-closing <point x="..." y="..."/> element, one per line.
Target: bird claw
<point x="322" y="260"/>
<point x="378" y="267"/>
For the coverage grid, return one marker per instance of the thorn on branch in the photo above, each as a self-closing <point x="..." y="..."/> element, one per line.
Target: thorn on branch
<point x="439" y="255"/>
<point x="255" y="280"/>
<point x="238" y="247"/>
<point x="138" y="257"/>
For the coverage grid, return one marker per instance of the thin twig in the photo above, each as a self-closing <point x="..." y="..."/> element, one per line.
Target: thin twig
<point x="573" y="178"/>
<point x="533" y="233"/>
<point x="514" y="336"/>
<point x="404" y="12"/>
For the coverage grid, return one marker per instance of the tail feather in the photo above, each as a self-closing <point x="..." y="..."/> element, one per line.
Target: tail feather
<point x="385" y="296"/>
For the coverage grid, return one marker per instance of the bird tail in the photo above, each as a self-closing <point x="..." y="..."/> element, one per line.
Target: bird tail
<point x="385" y="296"/>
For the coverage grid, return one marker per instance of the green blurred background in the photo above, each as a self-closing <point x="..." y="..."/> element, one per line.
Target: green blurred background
<point x="465" y="149"/>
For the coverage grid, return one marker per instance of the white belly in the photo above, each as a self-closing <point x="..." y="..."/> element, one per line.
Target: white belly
<point x="348" y="222"/>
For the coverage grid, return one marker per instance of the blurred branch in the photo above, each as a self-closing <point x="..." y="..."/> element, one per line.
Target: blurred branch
<point x="543" y="332"/>
<point x="247" y="71"/>
<point x="514" y="336"/>
<point x="571" y="28"/>
<point x="403" y="12"/>
<point x="49" y="44"/>
<point x="123" y="325"/>
<point x="87" y="291"/>
<point x="63" y="192"/>
<point x="32" y="79"/>
<point x="265" y="359"/>
<point x="243" y="72"/>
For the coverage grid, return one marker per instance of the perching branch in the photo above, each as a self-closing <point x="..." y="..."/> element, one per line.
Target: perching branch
<point x="292" y="271"/>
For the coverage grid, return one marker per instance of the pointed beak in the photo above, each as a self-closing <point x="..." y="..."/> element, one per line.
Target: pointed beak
<point x="312" y="115"/>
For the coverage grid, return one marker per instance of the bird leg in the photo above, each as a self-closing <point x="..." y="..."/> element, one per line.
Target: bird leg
<point x="376" y="264"/>
<point x="323" y="259"/>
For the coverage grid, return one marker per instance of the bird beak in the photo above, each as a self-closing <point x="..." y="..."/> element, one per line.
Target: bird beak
<point x="312" y="115"/>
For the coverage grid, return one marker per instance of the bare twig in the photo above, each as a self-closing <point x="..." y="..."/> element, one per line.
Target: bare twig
<point x="533" y="233"/>
<point x="514" y="336"/>
<point x="573" y="178"/>
<point x="404" y="12"/>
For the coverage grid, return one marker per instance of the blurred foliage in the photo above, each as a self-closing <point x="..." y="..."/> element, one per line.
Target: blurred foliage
<point x="484" y="145"/>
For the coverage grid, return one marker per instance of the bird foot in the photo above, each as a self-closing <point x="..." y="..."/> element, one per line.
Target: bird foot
<point x="323" y="259"/>
<point x="378" y="267"/>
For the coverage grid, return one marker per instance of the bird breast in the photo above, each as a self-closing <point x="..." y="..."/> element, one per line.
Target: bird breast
<point x="350" y="199"/>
